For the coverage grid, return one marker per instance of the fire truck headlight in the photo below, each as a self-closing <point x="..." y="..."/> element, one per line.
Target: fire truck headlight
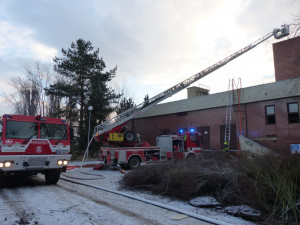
<point x="59" y="162"/>
<point x="1" y="164"/>
<point x="65" y="162"/>
<point x="8" y="164"/>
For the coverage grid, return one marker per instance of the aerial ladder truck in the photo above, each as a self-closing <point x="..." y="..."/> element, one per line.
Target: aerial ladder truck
<point x="117" y="122"/>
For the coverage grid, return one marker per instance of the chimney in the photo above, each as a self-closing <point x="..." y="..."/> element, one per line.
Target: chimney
<point x="287" y="59"/>
<point x="193" y="92"/>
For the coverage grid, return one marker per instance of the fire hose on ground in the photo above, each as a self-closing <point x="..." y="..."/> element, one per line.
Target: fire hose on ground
<point x="194" y="215"/>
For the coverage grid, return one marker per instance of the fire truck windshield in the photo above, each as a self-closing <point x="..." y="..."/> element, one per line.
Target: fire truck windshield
<point x="194" y="138"/>
<point x="21" y="130"/>
<point x="54" y="131"/>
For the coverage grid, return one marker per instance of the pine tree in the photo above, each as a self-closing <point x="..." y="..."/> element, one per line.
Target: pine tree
<point x="83" y="83"/>
<point x="124" y="104"/>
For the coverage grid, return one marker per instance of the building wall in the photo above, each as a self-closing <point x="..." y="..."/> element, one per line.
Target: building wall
<point x="287" y="59"/>
<point x="207" y="121"/>
<point x="249" y="120"/>
<point x="276" y="136"/>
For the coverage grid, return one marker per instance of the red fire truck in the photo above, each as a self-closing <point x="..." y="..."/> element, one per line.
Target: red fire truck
<point x="34" y="144"/>
<point x="186" y="145"/>
<point x="133" y="156"/>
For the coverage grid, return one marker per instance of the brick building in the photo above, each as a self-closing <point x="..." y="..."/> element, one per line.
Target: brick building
<point x="267" y="114"/>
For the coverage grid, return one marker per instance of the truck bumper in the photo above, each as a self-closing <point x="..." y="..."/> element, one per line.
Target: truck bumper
<point x="32" y="162"/>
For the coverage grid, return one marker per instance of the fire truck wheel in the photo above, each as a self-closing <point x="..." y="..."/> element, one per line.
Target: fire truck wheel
<point x="52" y="176"/>
<point x="191" y="157"/>
<point x="134" y="163"/>
<point x="129" y="136"/>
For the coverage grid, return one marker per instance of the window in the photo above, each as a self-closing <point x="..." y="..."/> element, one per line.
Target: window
<point x="54" y="131"/>
<point x="21" y="130"/>
<point x="182" y="114"/>
<point x="194" y="138"/>
<point x="270" y="114"/>
<point x="293" y="112"/>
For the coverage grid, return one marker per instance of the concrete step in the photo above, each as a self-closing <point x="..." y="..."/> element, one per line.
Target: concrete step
<point x="253" y="147"/>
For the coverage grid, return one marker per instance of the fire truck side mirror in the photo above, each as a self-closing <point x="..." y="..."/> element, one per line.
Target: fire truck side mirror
<point x="71" y="133"/>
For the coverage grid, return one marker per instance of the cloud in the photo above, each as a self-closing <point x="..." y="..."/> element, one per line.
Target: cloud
<point x="155" y="44"/>
<point x="19" y="42"/>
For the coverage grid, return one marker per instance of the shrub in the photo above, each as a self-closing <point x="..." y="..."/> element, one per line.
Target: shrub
<point x="276" y="183"/>
<point x="181" y="179"/>
<point x="268" y="183"/>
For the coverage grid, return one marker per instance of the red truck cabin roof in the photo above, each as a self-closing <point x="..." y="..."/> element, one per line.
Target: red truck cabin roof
<point x="33" y="119"/>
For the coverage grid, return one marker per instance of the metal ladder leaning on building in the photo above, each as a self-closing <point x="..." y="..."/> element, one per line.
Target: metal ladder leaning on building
<point x="138" y="109"/>
<point x="230" y="100"/>
<point x="228" y="115"/>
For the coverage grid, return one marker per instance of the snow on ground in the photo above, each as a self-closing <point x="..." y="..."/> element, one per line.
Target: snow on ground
<point x="33" y="202"/>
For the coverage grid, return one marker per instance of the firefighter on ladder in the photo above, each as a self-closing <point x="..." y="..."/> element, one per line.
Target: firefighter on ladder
<point x="226" y="147"/>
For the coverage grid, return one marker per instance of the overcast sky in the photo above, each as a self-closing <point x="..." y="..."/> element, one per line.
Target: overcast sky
<point x="154" y="43"/>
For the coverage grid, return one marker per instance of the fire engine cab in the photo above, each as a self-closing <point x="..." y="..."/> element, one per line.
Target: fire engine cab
<point x="33" y="144"/>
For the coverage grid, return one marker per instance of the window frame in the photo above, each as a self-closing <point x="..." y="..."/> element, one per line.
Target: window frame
<point x="269" y="116"/>
<point x="296" y="114"/>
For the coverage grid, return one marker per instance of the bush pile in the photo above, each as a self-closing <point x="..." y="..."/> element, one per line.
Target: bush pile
<point x="276" y="184"/>
<point x="269" y="184"/>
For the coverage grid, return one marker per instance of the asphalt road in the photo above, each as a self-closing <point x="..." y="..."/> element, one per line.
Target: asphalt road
<point x="31" y="201"/>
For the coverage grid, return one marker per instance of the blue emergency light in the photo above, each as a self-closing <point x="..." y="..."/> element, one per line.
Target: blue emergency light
<point x="192" y="130"/>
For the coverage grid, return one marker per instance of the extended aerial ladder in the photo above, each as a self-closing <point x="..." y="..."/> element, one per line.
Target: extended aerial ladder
<point x="138" y="109"/>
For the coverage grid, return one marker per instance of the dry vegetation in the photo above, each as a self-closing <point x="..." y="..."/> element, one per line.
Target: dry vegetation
<point x="269" y="184"/>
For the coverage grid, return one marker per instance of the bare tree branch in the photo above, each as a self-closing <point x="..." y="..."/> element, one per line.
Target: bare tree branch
<point x="29" y="97"/>
<point x="295" y="25"/>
